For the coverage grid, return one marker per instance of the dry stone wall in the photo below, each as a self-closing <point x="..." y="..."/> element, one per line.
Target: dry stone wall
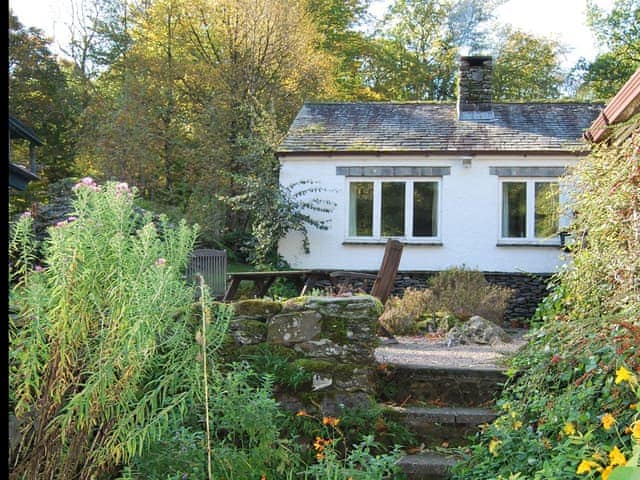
<point x="331" y="338"/>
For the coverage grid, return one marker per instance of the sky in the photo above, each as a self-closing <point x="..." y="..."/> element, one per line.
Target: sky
<point x="562" y="20"/>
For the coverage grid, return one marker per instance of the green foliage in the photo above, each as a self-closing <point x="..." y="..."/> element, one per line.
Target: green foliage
<point x="41" y="96"/>
<point x="571" y="408"/>
<point x="277" y="362"/>
<point x="336" y="458"/>
<point x="412" y="55"/>
<point x="553" y="408"/>
<point x="102" y="347"/>
<point x="275" y="212"/>
<point x="618" y="35"/>
<point x="526" y="67"/>
<point x="605" y="251"/>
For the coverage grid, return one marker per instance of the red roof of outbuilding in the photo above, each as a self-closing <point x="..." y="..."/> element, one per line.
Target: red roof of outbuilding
<point x="620" y="108"/>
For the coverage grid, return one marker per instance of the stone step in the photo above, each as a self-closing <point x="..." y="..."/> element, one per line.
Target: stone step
<point x="438" y="385"/>
<point x="441" y="426"/>
<point x="427" y="466"/>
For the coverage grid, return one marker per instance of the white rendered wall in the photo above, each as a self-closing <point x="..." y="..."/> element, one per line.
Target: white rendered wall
<point x="469" y="223"/>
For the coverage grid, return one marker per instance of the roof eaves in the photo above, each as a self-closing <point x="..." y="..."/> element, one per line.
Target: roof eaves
<point x="18" y="129"/>
<point x="578" y="151"/>
<point x="621" y="107"/>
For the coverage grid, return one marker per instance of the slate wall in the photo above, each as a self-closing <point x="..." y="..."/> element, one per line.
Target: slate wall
<point x="529" y="289"/>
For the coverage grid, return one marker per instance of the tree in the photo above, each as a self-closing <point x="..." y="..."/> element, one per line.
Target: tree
<point x="413" y="56"/>
<point x="336" y="22"/>
<point x="39" y="95"/>
<point x="618" y="32"/>
<point x="526" y="67"/>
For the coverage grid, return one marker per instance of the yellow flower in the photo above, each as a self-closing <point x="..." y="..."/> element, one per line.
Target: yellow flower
<point x="493" y="447"/>
<point x="606" y="472"/>
<point x="635" y="430"/>
<point x="624" y="375"/>
<point x="608" y="421"/>
<point x="569" y="429"/>
<point x="616" y="457"/>
<point x="586" y="466"/>
<point x="517" y="424"/>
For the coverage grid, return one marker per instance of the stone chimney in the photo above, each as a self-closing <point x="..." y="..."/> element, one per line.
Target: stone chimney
<point x="475" y="88"/>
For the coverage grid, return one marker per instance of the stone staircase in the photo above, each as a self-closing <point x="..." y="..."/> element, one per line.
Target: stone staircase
<point x="442" y="396"/>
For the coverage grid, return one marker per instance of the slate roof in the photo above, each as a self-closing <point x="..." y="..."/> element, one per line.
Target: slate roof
<point x="434" y="127"/>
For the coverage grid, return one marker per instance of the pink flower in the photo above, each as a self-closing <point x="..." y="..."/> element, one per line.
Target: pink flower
<point x="87" y="182"/>
<point x="38" y="268"/>
<point x="72" y="219"/>
<point x="26" y="214"/>
<point x="161" y="261"/>
<point x="61" y="223"/>
<point x="121" y="188"/>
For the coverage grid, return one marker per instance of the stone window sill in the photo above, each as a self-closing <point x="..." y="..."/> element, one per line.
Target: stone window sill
<point x="528" y="244"/>
<point x="427" y="243"/>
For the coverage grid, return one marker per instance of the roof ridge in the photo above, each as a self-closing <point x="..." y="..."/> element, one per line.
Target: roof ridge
<point x="451" y="102"/>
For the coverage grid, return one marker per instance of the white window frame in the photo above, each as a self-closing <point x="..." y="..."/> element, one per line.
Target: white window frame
<point x="408" y="206"/>
<point x="530" y="238"/>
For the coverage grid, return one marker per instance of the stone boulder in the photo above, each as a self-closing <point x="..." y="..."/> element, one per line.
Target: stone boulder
<point x="477" y="330"/>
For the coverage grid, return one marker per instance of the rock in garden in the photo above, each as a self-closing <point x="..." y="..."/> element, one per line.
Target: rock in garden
<point x="477" y="330"/>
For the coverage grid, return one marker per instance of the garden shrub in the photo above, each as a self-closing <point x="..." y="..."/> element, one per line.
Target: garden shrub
<point x="571" y="408"/>
<point x="453" y="295"/>
<point x="102" y="353"/>
<point x="465" y="292"/>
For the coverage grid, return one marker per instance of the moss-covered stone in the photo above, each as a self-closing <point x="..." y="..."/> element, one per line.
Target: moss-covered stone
<point x="257" y="307"/>
<point x="294" y="327"/>
<point x="246" y="331"/>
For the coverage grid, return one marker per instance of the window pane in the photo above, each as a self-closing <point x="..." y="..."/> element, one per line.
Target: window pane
<point x="547" y="209"/>
<point x="514" y="209"/>
<point x="425" y="209"/>
<point x="361" y="209"/>
<point x="393" y="209"/>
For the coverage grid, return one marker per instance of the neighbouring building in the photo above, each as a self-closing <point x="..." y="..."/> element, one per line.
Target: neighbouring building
<point x="19" y="175"/>
<point x="472" y="182"/>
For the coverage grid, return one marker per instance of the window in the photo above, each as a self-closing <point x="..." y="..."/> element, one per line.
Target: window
<point x="530" y="209"/>
<point x="393" y="208"/>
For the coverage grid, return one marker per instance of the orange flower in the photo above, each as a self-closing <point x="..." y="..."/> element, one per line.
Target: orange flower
<point x="333" y="421"/>
<point x="320" y="443"/>
<point x="320" y="456"/>
<point x="302" y="413"/>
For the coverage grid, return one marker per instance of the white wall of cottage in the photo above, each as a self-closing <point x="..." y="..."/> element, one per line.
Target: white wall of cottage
<point x="469" y="224"/>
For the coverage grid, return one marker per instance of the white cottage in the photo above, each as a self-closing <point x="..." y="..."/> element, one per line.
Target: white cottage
<point x="471" y="183"/>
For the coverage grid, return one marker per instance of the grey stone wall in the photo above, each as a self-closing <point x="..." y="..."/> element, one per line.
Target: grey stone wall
<point x="529" y="289"/>
<point x="331" y="338"/>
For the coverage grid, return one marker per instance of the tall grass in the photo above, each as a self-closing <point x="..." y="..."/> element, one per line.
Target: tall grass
<point x="102" y="352"/>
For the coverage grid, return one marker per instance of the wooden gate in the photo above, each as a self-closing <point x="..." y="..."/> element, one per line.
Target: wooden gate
<point x="212" y="265"/>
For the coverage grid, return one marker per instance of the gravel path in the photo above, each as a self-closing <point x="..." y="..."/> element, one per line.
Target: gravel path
<point x="433" y="352"/>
